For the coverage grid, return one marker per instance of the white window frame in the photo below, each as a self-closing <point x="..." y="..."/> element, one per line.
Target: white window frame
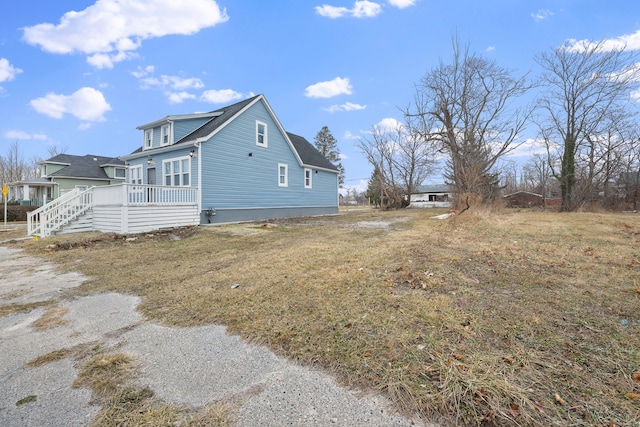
<point x="165" y="134"/>
<point x="265" y="139"/>
<point x="179" y="174"/>
<point x="308" y="178"/>
<point x="148" y="139"/>
<point x="283" y="178"/>
<point x="122" y="170"/>
<point x="135" y="175"/>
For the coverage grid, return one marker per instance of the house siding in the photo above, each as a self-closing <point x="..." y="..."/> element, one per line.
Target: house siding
<point x="181" y="128"/>
<point x="232" y="180"/>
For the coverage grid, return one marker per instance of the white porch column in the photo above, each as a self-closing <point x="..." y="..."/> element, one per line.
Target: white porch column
<point x="25" y="192"/>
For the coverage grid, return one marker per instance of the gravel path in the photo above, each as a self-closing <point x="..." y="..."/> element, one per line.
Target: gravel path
<point x="195" y="366"/>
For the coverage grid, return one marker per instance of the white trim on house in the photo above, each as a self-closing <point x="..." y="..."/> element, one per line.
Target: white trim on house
<point x="165" y="134"/>
<point x="158" y="122"/>
<point x="308" y="178"/>
<point x="262" y="135"/>
<point x="135" y="174"/>
<point x="147" y="142"/>
<point x="177" y="177"/>
<point x="283" y="175"/>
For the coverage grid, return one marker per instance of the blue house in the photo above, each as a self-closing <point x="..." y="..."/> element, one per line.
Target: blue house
<point x="244" y="163"/>
<point x="233" y="164"/>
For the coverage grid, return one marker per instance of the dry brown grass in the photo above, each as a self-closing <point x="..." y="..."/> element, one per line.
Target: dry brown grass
<point x="512" y="318"/>
<point x="51" y="318"/>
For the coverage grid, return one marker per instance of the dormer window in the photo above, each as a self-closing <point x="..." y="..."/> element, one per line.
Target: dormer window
<point x="165" y="135"/>
<point x="148" y="138"/>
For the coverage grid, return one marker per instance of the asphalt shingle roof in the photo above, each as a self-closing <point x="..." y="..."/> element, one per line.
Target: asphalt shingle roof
<point x="88" y="166"/>
<point x="308" y="153"/>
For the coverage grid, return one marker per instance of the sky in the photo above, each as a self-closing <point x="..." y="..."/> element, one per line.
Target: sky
<point x="81" y="75"/>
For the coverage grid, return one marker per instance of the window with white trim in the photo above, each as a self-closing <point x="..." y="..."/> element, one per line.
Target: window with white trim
<point x="119" y="173"/>
<point x="308" y="175"/>
<point x="135" y="174"/>
<point x="165" y="134"/>
<point x="283" y="172"/>
<point x="261" y="134"/>
<point x="148" y="138"/>
<point x="177" y="172"/>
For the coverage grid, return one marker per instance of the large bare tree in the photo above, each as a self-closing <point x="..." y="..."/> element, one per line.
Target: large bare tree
<point x="587" y="89"/>
<point x="467" y="106"/>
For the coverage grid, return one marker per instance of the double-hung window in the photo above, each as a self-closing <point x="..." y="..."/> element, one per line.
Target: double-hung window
<point x="135" y="174"/>
<point x="261" y="134"/>
<point x="307" y="178"/>
<point x="283" y="179"/>
<point x="165" y="134"/>
<point x="148" y="138"/>
<point x="177" y="172"/>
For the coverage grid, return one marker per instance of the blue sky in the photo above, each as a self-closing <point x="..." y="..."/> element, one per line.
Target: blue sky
<point x="82" y="74"/>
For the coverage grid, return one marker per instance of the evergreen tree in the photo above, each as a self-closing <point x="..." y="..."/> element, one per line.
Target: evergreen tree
<point x="327" y="145"/>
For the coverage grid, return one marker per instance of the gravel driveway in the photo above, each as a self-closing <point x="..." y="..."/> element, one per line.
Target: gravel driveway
<point x="195" y="366"/>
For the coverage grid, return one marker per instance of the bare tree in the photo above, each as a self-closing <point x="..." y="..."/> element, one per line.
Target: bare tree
<point x="13" y="167"/>
<point x="587" y="86"/>
<point x="402" y="159"/>
<point x="466" y="105"/>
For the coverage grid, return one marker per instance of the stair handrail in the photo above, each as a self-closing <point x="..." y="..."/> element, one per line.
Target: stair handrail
<point x="54" y="215"/>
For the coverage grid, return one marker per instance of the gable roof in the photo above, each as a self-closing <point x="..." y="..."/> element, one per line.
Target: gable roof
<point x="88" y="166"/>
<point x="226" y="113"/>
<point x="308" y="153"/>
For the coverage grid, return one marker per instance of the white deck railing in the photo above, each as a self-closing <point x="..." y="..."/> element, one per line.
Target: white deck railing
<point x="144" y="195"/>
<point x="49" y="218"/>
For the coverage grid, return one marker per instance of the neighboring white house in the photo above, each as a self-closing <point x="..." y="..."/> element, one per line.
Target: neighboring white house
<point x="431" y="196"/>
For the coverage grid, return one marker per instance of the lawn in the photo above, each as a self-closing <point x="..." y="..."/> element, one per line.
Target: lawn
<point x="506" y="318"/>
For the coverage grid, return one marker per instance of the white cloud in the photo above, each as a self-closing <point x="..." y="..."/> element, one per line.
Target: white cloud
<point x="175" y="88"/>
<point x="388" y="125"/>
<point x="20" y="134"/>
<point x="110" y="31"/>
<point x="541" y="15"/>
<point x="491" y="48"/>
<point x="528" y="148"/>
<point x="7" y="71"/>
<point x="332" y="11"/>
<point x="349" y="136"/>
<point x="171" y="82"/>
<point x="361" y="9"/>
<point x="401" y="4"/>
<point x="329" y="89"/>
<point x="85" y="104"/>
<point x="179" y="97"/>
<point x="630" y="41"/>
<point x="348" y="106"/>
<point x="143" y="72"/>
<point x="220" y="96"/>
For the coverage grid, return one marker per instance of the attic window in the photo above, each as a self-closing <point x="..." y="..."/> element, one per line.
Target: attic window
<point x="148" y="138"/>
<point x="261" y="134"/>
<point x="120" y="173"/>
<point x="165" y="132"/>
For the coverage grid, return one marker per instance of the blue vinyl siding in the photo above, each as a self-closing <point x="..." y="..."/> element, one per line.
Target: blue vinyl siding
<point x="232" y="179"/>
<point x="181" y="128"/>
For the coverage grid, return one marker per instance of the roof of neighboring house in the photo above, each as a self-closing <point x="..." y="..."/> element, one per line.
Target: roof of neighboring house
<point x="89" y="166"/>
<point x="308" y="153"/>
<point x="517" y="193"/>
<point x="439" y="188"/>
